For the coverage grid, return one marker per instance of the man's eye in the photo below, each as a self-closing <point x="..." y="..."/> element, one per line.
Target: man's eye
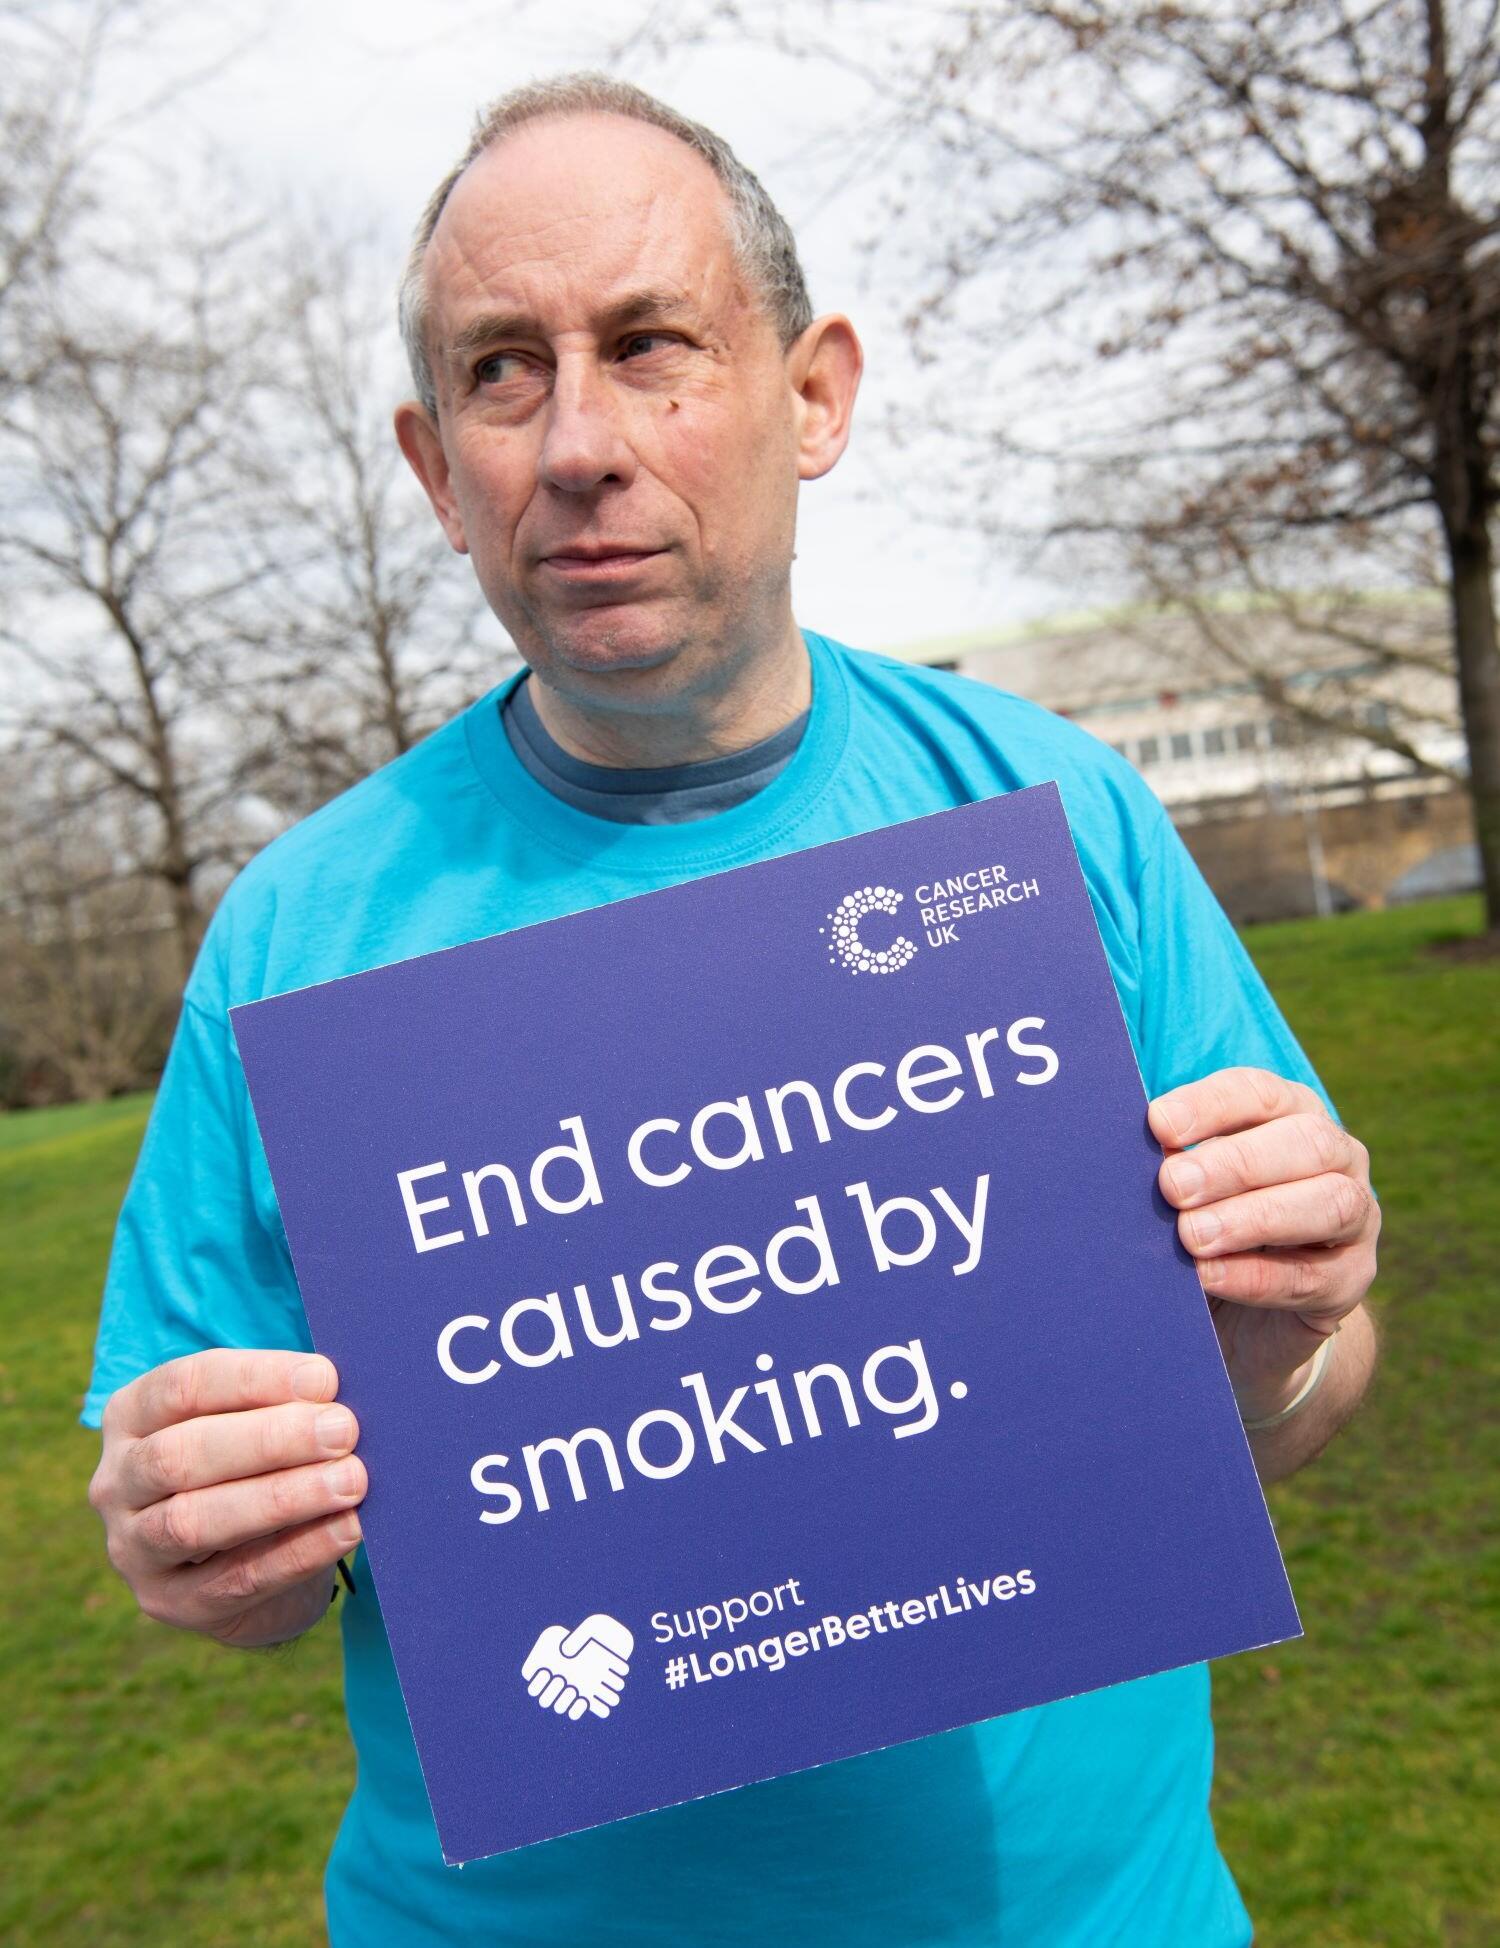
<point x="496" y="367"/>
<point x="641" y="342"/>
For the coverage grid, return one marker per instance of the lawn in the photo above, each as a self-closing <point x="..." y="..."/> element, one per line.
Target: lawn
<point x="160" y="1791"/>
<point x="1358" y="1779"/>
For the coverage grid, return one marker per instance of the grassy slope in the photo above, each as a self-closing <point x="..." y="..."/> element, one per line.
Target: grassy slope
<point x="1357" y="1778"/>
<point x="164" y="1791"/>
<point x="159" y="1790"/>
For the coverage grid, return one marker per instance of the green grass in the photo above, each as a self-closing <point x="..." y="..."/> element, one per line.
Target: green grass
<point x="1358" y="1777"/>
<point x="161" y="1791"/>
<point x="23" y="1129"/>
<point x="158" y="1789"/>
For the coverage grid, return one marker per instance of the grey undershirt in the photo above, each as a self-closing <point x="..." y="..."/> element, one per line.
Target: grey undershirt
<point x="670" y="794"/>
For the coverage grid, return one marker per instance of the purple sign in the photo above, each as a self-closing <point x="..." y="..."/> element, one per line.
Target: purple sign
<point x="767" y="1338"/>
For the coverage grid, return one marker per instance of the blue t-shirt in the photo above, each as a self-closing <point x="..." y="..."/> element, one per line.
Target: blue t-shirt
<point x="1077" y="1825"/>
<point x="661" y="795"/>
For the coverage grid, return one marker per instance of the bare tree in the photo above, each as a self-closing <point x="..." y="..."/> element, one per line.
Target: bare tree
<point x="57" y="138"/>
<point x="120" y="550"/>
<point x="1201" y="283"/>
<point x="365" y="633"/>
<point x="49" y="66"/>
<point x="89" y="976"/>
<point x="223" y="598"/>
<point x="39" y="117"/>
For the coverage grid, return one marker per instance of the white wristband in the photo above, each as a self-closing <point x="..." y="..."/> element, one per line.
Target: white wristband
<point x="1304" y="1393"/>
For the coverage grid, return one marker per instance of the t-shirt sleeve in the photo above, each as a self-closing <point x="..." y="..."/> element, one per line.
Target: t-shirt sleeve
<point x="1203" y="1005"/>
<point x="199" y="1256"/>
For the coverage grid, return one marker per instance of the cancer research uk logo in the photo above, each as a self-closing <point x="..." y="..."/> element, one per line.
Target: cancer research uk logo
<point x="846" y="947"/>
<point x="576" y="1671"/>
<point x="941" y="904"/>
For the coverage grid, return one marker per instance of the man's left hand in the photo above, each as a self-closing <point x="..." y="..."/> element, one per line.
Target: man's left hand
<point x="1277" y="1211"/>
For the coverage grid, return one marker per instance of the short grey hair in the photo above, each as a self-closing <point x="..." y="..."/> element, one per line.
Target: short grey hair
<point x="764" y="249"/>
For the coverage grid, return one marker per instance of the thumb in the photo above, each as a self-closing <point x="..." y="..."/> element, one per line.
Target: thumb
<point x="599" y="1629"/>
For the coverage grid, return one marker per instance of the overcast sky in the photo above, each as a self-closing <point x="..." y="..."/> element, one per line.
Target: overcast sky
<point x="367" y="104"/>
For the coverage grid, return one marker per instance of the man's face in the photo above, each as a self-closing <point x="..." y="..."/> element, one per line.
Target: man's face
<point x="619" y="429"/>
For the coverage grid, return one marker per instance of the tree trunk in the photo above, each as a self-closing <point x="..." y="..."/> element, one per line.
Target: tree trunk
<point x="1464" y="488"/>
<point x="187" y="921"/>
<point x="1473" y="596"/>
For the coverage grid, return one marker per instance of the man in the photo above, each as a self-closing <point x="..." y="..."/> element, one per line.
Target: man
<point x="620" y="387"/>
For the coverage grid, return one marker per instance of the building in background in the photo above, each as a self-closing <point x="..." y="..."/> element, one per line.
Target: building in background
<point x="1309" y="750"/>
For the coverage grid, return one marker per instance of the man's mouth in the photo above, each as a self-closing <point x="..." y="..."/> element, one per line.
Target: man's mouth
<point x="597" y="561"/>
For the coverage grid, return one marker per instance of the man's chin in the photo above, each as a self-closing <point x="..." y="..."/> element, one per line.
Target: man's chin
<point x="601" y="645"/>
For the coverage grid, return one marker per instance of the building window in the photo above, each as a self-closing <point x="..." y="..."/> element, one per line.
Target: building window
<point x="1148" y="751"/>
<point x="1246" y="737"/>
<point x="1182" y="745"/>
<point x="1213" y="743"/>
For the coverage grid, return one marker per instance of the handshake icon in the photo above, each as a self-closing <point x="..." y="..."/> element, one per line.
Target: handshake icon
<point x="584" y="1669"/>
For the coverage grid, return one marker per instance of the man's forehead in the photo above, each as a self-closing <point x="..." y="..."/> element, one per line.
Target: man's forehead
<point x="588" y="203"/>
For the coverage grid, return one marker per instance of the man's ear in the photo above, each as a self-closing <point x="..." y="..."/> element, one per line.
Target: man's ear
<point x="422" y="444"/>
<point x="824" y="367"/>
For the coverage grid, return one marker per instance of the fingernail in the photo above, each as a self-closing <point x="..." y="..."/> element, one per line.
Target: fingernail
<point x="334" y="1429"/>
<point x="1175" y="1112"/>
<point x="343" y="1477"/>
<point x="1186" y="1178"/>
<point x="310" y="1380"/>
<point x="348" y="1531"/>
<point x="1205" y="1227"/>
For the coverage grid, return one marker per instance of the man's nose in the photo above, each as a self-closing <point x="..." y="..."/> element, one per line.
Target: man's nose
<point x="586" y="443"/>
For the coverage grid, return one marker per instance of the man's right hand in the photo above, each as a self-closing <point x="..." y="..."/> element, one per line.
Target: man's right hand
<point x="228" y="1487"/>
